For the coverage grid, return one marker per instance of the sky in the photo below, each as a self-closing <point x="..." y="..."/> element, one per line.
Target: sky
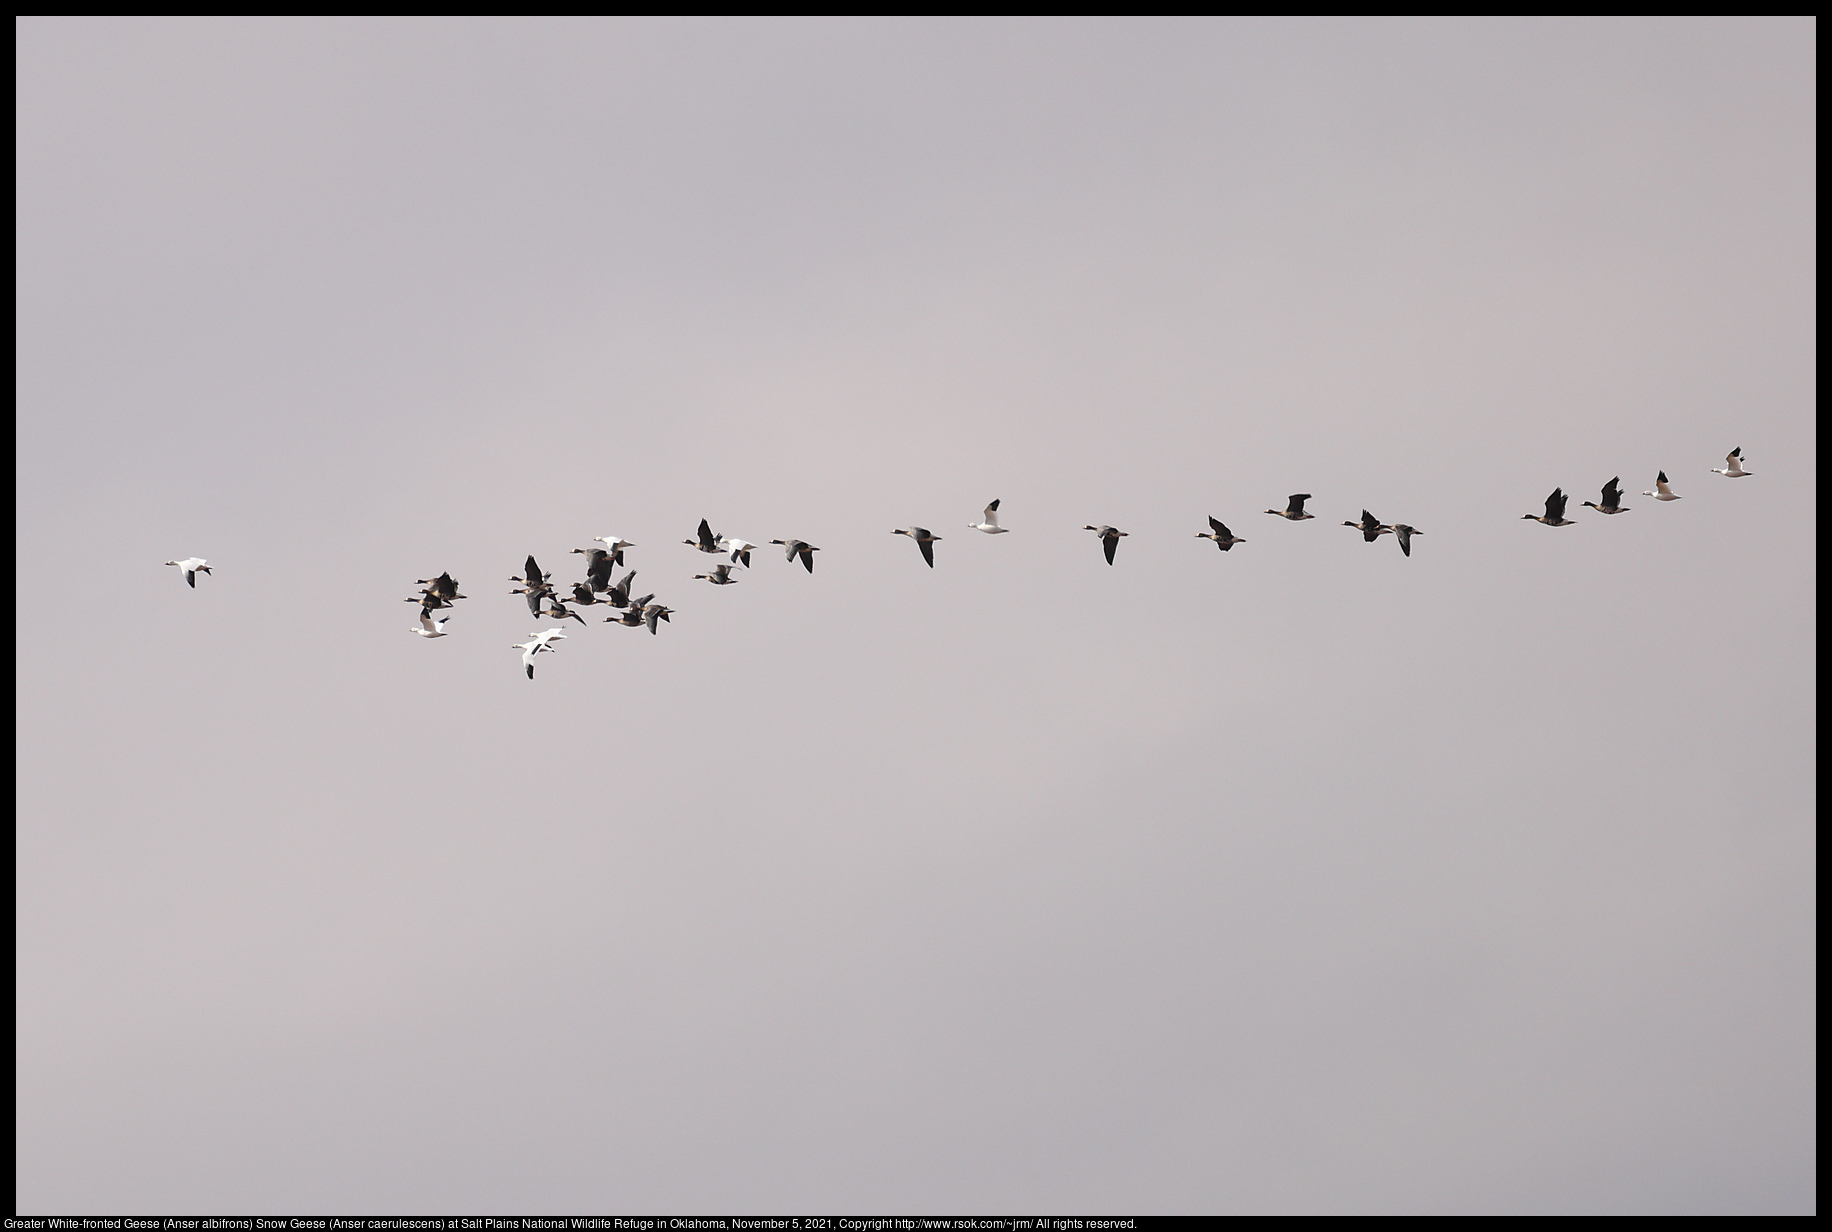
<point x="1306" y="879"/>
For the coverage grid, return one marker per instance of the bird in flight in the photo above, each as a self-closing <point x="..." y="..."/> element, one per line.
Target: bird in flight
<point x="1223" y="537"/>
<point x="1612" y="498"/>
<point x="1371" y="527"/>
<point x="1555" y="510"/>
<point x="192" y="566"/>
<point x="923" y="540"/>
<point x="1109" y="539"/>
<point x="1733" y="466"/>
<point x="989" y="521"/>
<point x="795" y="547"/>
<point x="1295" y="510"/>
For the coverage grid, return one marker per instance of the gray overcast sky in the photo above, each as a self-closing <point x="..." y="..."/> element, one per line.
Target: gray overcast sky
<point x="1309" y="878"/>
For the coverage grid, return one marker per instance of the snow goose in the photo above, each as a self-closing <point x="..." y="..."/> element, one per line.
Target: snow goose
<point x="192" y="566"/>
<point x="1612" y="498"/>
<point x="1109" y="539"/>
<point x="1371" y="527"/>
<point x="989" y="521"/>
<point x="1404" y="534"/>
<point x="536" y="643"/>
<point x="721" y="575"/>
<point x="795" y="547"/>
<point x="1661" y="490"/>
<point x="613" y="546"/>
<point x="1295" y="510"/>
<point x="430" y="627"/>
<point x="1555" y="510"/>
<point x="923" y="540"/>
<point x="1223" y="537"/>
<point x="1733" y="466"/>
<point x="738" y="549"/>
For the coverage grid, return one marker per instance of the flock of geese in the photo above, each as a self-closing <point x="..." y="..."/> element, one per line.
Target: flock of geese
<point x="601" y="586"/>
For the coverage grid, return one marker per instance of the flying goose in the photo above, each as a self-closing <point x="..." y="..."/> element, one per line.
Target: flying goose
<point x="534" y="585"/>
<point x="923" y="540"/>
<point x="430" y="627"/>
<point x="633" y="616"/>
<point x="1733" y="465"/>
<point x="1371" y="527"/>
<point x="598" y="565"/>
<point x="1612" y="498"/>
<point x="1661" y="490"/>
<point x="1555" y="510"/>
<point x="1404" y="534"/>
<point x="619" y="595"/>
<point x="1295" y="510"/>
<point x="653" y="612"/>
<point x="559" y="611"/>
<point x="989" y="523"/>
<point x="1223" y="537"/>
<point x="583" y="596"/>
<point x="192" y="566"/>
<point x="721" y="575"/>
<point x="795" y="547"/>
<point x="613" y="546"/>
<point x="1109" y="538"/>
<point x="738" y="549"/>
<point x="707" y="542"/>
<point x="535" y="645"/>
<point x="442" y="586"/>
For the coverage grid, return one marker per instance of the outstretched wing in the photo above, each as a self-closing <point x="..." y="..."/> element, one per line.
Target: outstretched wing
<point x="1109" y="544"/>
<point x="708" y="540"/>
<point x="928" y="550"/>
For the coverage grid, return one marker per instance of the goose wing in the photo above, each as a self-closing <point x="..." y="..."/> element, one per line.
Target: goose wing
<point x="991" y="514"/>
<point x="1555" y="505"/>
<point x="1297" y="503"/>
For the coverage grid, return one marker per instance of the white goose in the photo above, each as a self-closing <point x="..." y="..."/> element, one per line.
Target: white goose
<point x="430" y="627"/>
<point x="535" y="645"/>
<point x="1661" y="490"/>
<point x="614" y="545"/>
<point x="1733" y="466"/>
<point x="738" y="549"/>
<point x="192" y="566"/>
<point x="990" y="523"/>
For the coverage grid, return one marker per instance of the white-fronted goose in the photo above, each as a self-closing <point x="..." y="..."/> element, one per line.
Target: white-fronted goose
<point x="1555" y="510"/>
<point x="1612" y="498"/>
<point x="795" y="547"/>
<point x="923" y="540"/>
<point x="1223" y="537"/>
<point x="1294" y="512"/>
<point x="1109" y="539"/>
